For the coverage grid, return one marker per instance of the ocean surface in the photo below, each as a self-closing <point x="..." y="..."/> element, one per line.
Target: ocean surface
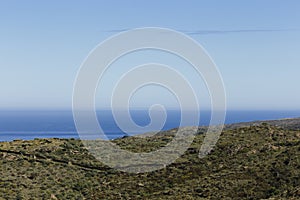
<point x="28" y="125"/>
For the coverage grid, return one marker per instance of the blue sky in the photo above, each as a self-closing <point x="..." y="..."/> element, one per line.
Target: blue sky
<point x="255" y="44"/>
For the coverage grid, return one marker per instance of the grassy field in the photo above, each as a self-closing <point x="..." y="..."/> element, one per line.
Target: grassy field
<point x="254" y="162"/>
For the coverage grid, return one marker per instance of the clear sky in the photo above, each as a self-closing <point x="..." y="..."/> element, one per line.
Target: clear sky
<point x="255" y="44"/>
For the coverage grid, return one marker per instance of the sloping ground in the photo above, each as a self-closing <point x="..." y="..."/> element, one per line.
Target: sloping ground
<point x="257" y="162"/>
<point x="289" y="123"/>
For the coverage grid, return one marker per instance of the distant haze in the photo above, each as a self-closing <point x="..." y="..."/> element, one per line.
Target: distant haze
<point x="255" y="45"/>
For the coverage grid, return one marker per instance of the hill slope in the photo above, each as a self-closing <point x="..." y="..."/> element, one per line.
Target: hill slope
<point x="256" y="162"/>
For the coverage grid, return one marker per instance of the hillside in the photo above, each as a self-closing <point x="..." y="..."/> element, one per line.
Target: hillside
<point x="254" y="162"/>
<point x="289" y="123"/>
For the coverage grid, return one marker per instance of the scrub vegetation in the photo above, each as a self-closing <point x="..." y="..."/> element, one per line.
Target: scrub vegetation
<point x="248" y="162"/>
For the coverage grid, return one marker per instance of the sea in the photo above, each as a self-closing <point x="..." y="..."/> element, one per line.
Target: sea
<point x="28" y="125"/>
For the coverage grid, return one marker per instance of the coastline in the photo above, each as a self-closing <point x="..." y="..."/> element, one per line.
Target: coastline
<point x="249" y="162"/>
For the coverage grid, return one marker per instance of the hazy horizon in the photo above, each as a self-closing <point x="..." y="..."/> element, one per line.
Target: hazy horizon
<point x="255" y="46"/>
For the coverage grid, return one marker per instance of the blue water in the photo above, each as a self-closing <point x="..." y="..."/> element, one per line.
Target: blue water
<point x="28" y="125"/>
